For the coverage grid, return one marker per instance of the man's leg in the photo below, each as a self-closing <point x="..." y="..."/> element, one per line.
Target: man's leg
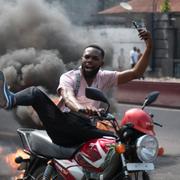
<point x="47" y="111"/>
<point x="64" y="128"/>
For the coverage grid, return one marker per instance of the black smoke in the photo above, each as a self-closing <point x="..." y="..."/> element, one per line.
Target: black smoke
<point x="37" y="40"/>
<point x="37" y="44"/>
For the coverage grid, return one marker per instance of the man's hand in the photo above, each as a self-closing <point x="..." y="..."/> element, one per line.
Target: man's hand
<point x="146" y="36"/>
<point x="91" y="111"/>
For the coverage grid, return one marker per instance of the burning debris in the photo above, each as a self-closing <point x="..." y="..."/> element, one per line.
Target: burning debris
<point x="8" y="167"/>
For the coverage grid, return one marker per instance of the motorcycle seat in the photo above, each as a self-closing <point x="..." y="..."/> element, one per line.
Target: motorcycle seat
<point x="42" y="145"/>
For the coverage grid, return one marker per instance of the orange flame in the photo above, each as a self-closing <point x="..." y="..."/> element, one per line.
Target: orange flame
<point x="10" y="158"/>
<point x="10" y="161"/>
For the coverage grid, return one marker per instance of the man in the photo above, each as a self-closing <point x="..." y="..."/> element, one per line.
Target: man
<point x="91" y="75"/>
<point x="133" y="57"/>
<point x="71" y="128"/>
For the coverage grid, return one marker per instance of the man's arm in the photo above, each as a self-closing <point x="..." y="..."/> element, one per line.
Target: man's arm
<point x="70" y="99"/>
<point x="72" y="103"/>
<point x="141" y="65"/>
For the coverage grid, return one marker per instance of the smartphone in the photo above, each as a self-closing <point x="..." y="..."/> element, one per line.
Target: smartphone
<point x="135" y="25"/>
<point x="138" y="26"/>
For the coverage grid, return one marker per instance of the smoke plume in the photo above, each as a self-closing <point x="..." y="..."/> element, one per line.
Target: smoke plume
<point x="36" y="41"/>
<point x="37" y="44"/>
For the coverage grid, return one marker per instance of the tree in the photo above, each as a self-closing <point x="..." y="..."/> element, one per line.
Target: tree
<point x="165" y="6"/>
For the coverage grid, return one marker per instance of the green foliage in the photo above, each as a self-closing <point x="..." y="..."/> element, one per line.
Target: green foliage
<point x="165" y="6"/>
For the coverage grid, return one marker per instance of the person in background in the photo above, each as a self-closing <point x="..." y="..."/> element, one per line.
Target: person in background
<point x="64" y="123"/>
<point x="133" y="57"/>
<point x="139" y="53"/>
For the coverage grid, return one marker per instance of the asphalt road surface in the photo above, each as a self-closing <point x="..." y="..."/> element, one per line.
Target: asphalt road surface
<point x="167" y="166"/>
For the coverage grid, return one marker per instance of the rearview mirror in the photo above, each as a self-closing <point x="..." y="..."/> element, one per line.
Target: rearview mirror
<point x="96" y="94"/>
<point x="151" y="98"/>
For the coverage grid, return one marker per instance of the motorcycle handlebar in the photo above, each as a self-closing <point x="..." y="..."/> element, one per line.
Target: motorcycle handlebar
<point x="103" y="115"/>
<point x="157" y="124"/>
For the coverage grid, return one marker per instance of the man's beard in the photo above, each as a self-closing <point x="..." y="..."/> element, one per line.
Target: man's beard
<point x="90" y="74"/>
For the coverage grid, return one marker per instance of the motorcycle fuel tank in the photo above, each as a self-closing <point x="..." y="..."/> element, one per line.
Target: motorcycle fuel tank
<point x="93" y="154"/>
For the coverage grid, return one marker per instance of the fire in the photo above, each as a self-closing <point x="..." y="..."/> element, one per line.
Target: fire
<point x="10" y="160"/>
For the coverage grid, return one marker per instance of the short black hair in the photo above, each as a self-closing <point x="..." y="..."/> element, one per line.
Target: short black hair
<point x="96" y="47"/>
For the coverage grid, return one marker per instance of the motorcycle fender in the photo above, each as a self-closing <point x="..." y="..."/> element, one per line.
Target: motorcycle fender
<point x="140" y="166"/>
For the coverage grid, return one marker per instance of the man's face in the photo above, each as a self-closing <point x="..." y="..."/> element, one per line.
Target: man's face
<point x="91" y="62"/>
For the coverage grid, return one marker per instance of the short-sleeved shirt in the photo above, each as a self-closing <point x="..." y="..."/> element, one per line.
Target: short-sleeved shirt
<point x="104" y="80"/>
<point x="133" y="57"/>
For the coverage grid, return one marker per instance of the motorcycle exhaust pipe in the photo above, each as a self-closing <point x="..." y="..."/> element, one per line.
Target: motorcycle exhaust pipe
<point x="20" y="159"/>
<point x="22" y="163"/>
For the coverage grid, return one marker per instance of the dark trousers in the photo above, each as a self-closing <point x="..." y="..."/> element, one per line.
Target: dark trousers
<point x="67" y="129"/>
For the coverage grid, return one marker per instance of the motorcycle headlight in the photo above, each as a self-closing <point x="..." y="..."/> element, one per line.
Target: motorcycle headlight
<point x="147" y="148"/>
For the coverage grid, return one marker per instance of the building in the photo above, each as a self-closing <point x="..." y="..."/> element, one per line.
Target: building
<point x="165" y="28"/>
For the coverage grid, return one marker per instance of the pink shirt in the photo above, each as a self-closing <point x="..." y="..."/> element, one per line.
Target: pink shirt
<point x="104" y="81"/>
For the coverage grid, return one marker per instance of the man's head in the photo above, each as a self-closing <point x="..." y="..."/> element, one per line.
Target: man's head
<point x="92" y="60"/>
<point x="134" y="48"/>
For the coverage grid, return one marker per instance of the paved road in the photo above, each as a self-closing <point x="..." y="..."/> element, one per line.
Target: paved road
<point x="167" y="166"/>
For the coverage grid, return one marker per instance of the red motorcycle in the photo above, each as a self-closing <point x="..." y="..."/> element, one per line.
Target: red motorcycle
<point x="128" y="156"/>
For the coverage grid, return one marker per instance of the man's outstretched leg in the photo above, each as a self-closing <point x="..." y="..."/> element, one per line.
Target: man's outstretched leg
<point x="51" y="117"/>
